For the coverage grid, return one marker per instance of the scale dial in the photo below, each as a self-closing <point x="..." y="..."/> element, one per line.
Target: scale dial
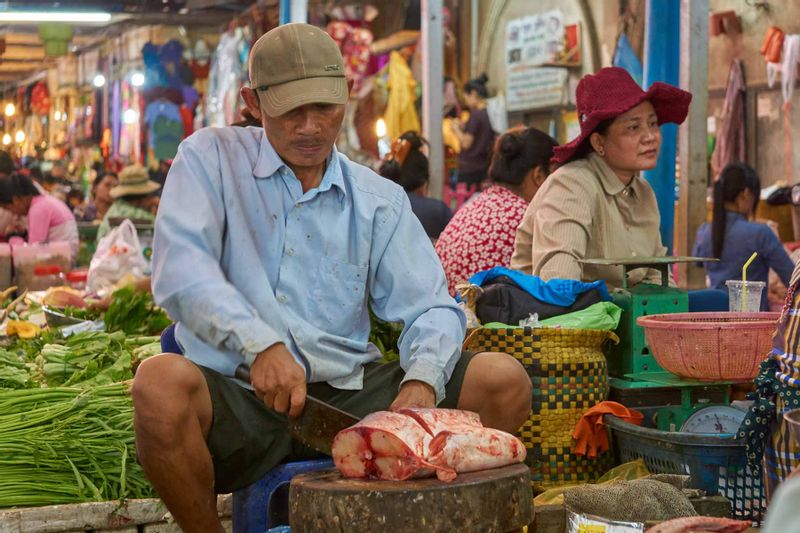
<point x="714" y="420"/>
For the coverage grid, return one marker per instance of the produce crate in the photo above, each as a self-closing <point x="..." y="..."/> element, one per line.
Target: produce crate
<point x="148" y="516"/>
<point x="715" y="464"/>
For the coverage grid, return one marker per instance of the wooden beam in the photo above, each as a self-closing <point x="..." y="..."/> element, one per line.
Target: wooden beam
<point x="23" y="52"/>
<point x="692" y="136"/>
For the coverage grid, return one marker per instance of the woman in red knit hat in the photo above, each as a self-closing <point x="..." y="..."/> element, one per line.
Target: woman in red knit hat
<point x="596" y="205"/>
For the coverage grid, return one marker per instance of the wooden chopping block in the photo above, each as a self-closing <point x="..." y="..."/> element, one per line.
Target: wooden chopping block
<point x="497" y="500"/>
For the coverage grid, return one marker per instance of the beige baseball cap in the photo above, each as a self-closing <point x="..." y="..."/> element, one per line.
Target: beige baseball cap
<point x="294" y="65"/>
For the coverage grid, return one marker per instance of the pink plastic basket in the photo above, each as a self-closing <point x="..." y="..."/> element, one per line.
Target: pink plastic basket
<point x="710" y="346"/>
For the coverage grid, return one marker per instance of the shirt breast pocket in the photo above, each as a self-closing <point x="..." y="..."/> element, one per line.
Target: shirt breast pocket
<point x="339" y="293"/>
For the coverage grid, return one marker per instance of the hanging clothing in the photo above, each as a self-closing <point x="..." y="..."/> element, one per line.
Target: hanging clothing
<point x="166" y="128"/>
<point x="731" y="140"/>
<point x="401" y="114"/>
<point x="227" y="75"/>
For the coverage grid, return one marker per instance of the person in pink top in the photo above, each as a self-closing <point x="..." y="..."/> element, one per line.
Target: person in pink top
<point x="481" y="234"/>
<point x="49" y="219"/>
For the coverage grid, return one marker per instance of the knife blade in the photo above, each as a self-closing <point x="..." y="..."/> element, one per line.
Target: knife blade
<point x="319" y="422"/>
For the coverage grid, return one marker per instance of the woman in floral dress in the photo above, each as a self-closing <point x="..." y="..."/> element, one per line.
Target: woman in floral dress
<point x="481" y="234"/>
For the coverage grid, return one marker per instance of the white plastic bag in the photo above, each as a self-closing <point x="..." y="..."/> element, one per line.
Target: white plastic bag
<point x="118" y="253"/>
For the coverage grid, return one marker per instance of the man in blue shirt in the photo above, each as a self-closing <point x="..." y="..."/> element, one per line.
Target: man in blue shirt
<point x="269" y="248"/>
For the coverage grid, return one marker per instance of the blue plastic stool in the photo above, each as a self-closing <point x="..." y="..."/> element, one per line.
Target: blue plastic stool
<point x="254" y="510"/>
<point x="168" y="342"/>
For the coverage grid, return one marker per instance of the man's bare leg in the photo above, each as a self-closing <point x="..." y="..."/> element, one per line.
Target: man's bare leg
<point x="497" y="387"/>
<point x="172" y="418"/>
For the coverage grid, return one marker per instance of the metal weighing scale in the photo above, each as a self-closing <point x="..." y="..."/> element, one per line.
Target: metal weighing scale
<point x="633" y="371"/>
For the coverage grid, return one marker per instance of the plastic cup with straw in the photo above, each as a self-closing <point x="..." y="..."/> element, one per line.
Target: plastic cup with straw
<point x="744" y="280"/>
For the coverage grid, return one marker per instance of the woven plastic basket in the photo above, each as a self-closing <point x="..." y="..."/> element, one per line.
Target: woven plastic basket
<point x="715" y="464"/>
<point x="710" y="346"/>
<point x="569" y="375"/>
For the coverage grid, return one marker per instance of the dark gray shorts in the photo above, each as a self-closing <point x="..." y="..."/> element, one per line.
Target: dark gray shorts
<point x="247" y="439"/>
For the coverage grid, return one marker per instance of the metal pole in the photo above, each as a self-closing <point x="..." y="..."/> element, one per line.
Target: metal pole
<point x="299" y="11"/>
<point x="433" y="90"/>
<point x="662" y="50"/>
<point x="693" y="133"/>
<point x="474" y="14"/>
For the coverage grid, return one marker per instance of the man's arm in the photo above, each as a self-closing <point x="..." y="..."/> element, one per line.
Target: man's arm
<point x="408" y="285"/>
<point x="188" y="280"/>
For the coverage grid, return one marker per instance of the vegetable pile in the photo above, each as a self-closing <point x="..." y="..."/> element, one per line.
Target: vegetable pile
<point x="68" y="445"/>
<point x="66" y="415"/>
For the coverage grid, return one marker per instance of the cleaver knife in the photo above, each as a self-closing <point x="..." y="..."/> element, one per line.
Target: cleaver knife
<point x="319" y="422"/>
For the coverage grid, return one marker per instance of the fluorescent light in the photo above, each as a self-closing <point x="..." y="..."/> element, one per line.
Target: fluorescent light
<point x="54" y="16"/>
<point x="99" y="80"/>
<point x="137" y="79"/>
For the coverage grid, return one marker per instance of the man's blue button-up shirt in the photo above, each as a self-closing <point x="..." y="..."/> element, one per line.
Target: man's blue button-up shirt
<point x="243" y="259"/>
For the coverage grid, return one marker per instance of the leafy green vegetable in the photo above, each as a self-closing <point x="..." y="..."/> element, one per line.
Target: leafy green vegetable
<point x="385" y="336"/>
<point x="87" y="313"/>
<point x="135" y="313"/>
<point x="68" y="445"/>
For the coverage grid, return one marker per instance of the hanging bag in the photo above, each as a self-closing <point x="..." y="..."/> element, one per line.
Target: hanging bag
<point x="772" y="47"/>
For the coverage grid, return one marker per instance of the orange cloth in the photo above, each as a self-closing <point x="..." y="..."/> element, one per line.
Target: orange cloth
<point x="590" y="434"/>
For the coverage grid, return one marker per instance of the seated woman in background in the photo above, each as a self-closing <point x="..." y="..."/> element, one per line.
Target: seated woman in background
<point x="49" y="219"/>
<point x="101" y="200"/>
<point x="481" y="234"/>
<point x="134" y="199"/>
<point x="597" y="205"/>
<point x="407" y="166"/>
<point x="732" y="238"/>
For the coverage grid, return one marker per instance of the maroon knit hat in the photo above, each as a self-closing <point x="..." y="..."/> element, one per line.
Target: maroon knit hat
<point x="611" y="92"/>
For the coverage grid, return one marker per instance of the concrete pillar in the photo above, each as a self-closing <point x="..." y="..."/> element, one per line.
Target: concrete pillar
<point x="432" y="47"/>
<point x="692" y="134"/>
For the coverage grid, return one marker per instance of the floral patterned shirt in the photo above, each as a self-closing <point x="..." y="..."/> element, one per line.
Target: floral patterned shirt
<point x="480" y="235"/>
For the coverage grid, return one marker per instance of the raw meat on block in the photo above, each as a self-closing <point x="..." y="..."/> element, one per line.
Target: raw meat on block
<point x="435" y="421"/>
<point x="413" y="443"/>
<point x="700" y="523"/>
<point x="385" y="445"/>
<point x="469" y="449"/>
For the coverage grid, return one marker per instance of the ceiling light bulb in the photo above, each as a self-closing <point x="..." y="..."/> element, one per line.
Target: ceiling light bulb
<point x="137" y="79"/>
<point x="99" y="80"/>
<point x="19" y="136"/>
<point x="55" y="16"/>
<point x="10" y="109"/>
<point x="6" y="139"/>
<point x="130" y="116"/>
<point x="57" y="115"/>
